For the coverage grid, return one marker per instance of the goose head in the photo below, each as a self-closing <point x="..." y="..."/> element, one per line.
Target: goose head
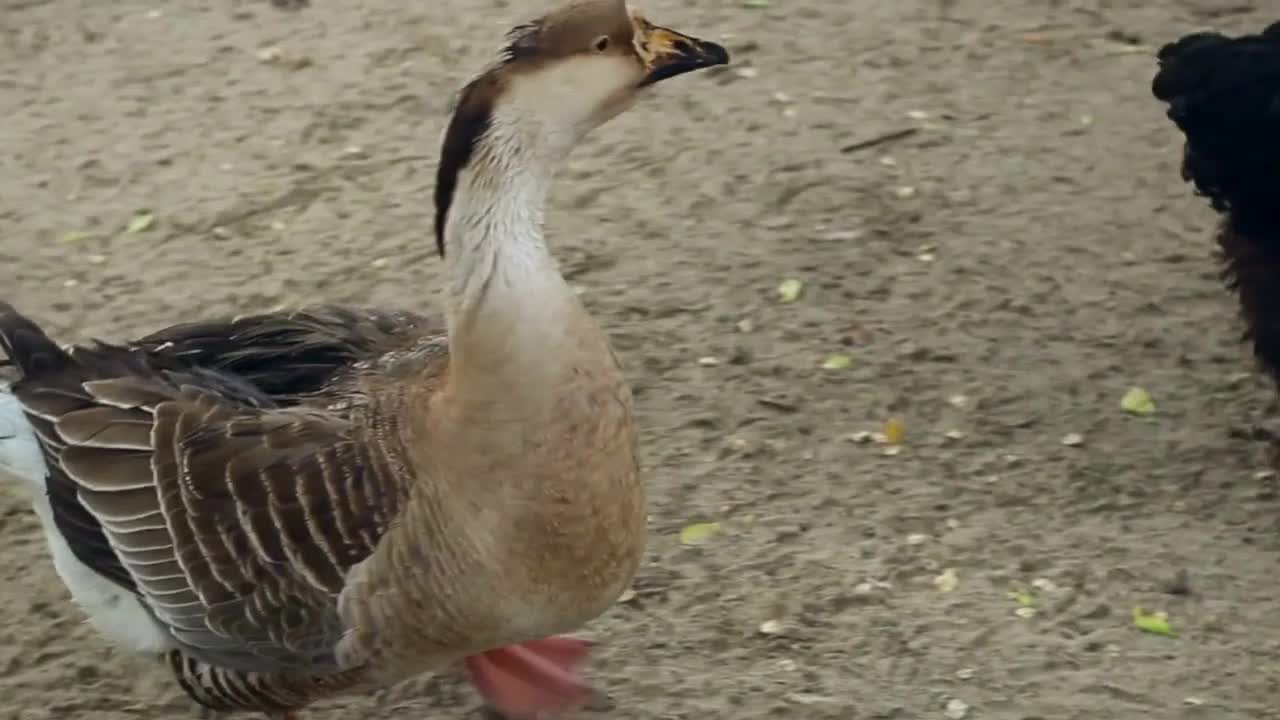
<point x="577" y="67"/>
<point x="557" y="78"/>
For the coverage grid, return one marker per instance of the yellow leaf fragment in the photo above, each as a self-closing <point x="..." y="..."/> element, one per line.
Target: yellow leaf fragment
<point x="789" y="290"/>
<point x="1138" y="402"/>
<point x="698" y="533"/>
<point x="894" y="432"/>
<point x="837" y="362"/>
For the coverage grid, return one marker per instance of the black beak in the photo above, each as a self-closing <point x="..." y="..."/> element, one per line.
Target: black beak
<point x="667" y="53"/>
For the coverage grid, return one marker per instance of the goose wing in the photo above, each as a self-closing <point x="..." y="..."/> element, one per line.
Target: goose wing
<point x="232" y="511"/>
<point x="291" y="355"/>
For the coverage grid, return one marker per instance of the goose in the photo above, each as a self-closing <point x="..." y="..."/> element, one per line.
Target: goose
<point x="292" y="505"/>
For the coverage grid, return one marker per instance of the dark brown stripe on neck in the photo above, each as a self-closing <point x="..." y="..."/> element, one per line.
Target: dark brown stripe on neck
<point x="470" y="122"/>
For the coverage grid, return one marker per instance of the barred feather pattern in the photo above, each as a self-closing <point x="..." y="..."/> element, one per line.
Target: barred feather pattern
<point x="224" y="690"/>
<point x="211" y="470"/>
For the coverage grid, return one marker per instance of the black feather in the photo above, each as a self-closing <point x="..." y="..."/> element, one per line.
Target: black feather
<point x="1223" y="93"/>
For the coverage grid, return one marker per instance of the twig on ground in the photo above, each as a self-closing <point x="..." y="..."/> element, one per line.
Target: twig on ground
<point x="879" y="140"/>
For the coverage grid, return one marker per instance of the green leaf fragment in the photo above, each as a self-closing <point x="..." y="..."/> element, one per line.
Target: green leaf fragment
<point x="1023" y="598"/>
<point x="1156" y="623"/>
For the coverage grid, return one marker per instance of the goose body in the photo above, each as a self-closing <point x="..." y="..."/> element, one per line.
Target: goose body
<point x="291" y="505"/>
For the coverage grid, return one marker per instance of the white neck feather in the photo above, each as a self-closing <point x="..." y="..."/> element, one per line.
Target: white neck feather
<point x="508" y="303"/>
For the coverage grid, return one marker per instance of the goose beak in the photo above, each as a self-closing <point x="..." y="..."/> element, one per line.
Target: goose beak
<point x="667" y="53"/>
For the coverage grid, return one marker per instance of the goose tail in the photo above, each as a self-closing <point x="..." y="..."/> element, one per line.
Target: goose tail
<point x="26" y="350"/>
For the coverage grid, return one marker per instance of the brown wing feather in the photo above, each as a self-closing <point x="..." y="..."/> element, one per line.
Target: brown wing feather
<point x="258" y="545"/>
<point x="188" y="468"/>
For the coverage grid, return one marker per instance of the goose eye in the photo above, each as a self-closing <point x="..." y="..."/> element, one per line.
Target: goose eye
<point x="601" y="43"/>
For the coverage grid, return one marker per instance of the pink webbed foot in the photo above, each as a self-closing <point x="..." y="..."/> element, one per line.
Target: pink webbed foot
<point x="532" y="680"/>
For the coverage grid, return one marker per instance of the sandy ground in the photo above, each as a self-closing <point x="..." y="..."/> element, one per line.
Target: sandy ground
<point x="1047" y="258"/>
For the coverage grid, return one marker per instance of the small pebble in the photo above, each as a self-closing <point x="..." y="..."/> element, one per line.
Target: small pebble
<point x="917" y="539"/>
<point x="708" y="361"/>
<point x="957" y="709"/>
<point x="947" y="581"/>
<point x="1073" y="439"/>
<point x="843" y="235"/>
<point x="1044" y="585"/>
<point x="808" y="699"/>
<point x="771" y="627"/>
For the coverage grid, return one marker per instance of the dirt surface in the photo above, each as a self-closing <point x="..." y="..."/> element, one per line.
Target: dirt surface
<point x="1046" y="258"/>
